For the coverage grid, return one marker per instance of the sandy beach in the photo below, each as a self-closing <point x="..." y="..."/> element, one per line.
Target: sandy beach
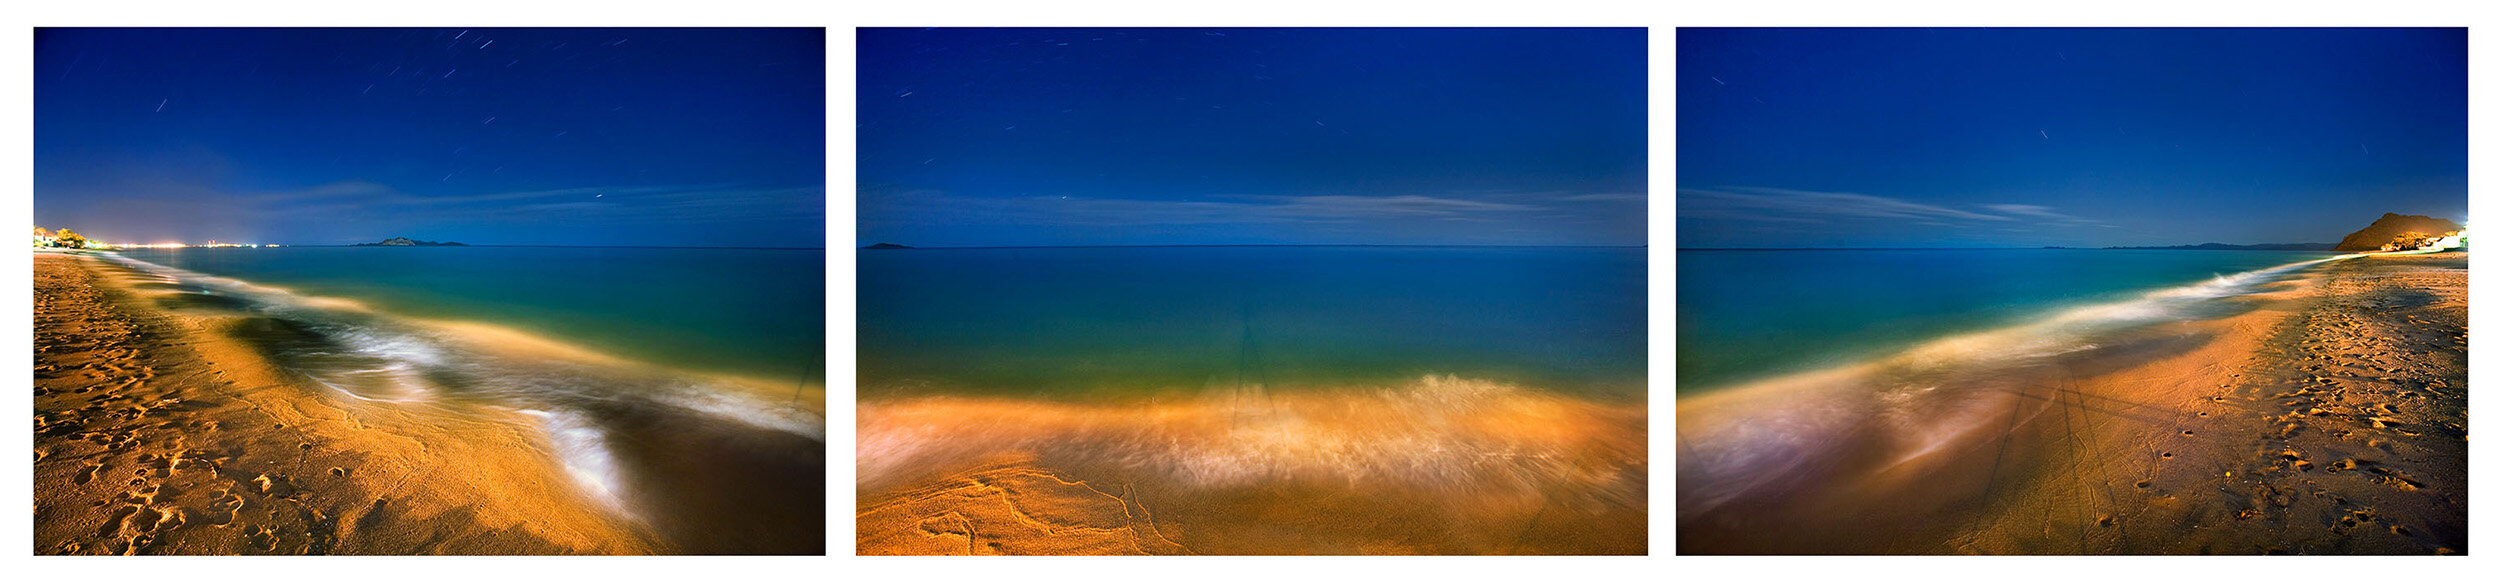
<point x="1444" y="466"/>
<point x="157" y="432"/>
<point x="2324" y="414"/>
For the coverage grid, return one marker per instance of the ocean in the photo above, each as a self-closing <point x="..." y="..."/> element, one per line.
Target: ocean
<point x="1747" y="315"/>
<point x="749" y="312"/>
<point x="1114" y="322"/>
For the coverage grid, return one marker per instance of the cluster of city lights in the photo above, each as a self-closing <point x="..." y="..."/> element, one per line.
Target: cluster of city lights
<point x="180" y="245"/>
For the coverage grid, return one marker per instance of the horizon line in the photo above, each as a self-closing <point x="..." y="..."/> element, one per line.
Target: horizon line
<point x="2186" y="247"/>
<point x="517" y="245"/>
<point x="866" y="247"/>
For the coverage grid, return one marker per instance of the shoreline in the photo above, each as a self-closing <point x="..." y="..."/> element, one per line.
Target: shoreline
<point x="158" y="434"/>
<point x="2273" y="425"/>
<point x="468" y="462"/>
<point x="808" y="386"/>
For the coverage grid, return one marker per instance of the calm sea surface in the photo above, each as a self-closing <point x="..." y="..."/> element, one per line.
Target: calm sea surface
<point x="1074" y="322"/>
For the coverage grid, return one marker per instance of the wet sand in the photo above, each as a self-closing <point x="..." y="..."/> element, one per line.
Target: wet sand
<point x="2325" y="415"/>
<point x="1441" y="466"/>
<point x="162" y="427"/>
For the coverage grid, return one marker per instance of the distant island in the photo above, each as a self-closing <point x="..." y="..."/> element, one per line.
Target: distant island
<point x="402" y="241"/>
<point x="887" y="246"/>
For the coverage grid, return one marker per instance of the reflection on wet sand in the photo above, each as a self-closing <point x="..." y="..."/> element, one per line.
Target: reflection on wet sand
<point x="1437" y="466"/>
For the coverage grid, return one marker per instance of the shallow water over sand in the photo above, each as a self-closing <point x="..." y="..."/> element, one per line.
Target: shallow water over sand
<point x="1751" y="315"/>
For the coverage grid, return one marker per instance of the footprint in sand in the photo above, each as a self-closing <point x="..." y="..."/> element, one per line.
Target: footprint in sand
<point x="260" y="539"/>
<point x="113" y="523"/>
<point x="2396" y="479"/>
<point x="223" y="507"/>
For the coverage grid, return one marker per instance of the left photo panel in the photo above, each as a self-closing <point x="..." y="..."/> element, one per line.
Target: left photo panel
<point x="429" y="291"/>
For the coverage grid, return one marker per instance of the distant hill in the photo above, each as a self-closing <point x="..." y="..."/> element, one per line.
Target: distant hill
<point x="2252" y="246"/>
<point x="2389" y="226"/>
<point x="402" y="241"/>
<point x="887" y="246"/>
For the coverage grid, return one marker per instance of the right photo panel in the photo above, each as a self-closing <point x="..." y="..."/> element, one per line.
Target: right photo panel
<point x="2066" y="291"/>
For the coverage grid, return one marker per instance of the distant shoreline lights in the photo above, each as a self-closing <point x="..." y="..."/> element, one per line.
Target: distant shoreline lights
<point x="66" y="238"/>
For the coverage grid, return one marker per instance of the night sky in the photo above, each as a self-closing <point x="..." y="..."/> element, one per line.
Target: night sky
<point x="673" y="137"/>
<point x="2075" y="137"/>
<point x="1027" y="136"/>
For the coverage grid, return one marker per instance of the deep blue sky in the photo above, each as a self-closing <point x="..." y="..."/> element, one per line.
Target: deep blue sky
<point x="1033" y="136"/>
<point x="2076" y="137"/>
<point x="707" y="137"/>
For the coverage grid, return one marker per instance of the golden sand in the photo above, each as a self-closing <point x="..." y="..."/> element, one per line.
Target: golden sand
<point x="156" y="433"/>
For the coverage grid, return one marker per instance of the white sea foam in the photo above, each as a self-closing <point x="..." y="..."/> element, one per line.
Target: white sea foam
<point x="748" y="410"/>
<point x="583" y="448"/>
<point x="408" y="349"/>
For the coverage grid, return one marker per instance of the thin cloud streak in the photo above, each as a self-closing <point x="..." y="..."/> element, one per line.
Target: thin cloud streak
<point x="1083" y="211"/>
<point x="2049" y="213"/>
<point x="1790" y="205"/>
<point x="1774" y="202"/>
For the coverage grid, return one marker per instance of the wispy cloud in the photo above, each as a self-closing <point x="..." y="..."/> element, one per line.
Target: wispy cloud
<point x="1609" y="197"/>
<point x="1776" y="204"/>
<point x="2048" y="213"/>
<point x="1796" y="206"/>
<point x="1087" y="211"/>
<point x="627" y="204"/>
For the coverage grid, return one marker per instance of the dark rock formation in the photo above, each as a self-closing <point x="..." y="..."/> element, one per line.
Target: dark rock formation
<point x="2389" y="226"/>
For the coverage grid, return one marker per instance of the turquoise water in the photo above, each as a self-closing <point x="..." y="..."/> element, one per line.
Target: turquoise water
<point x="751" y="312"/>
<point x="1071" y="322"/>
<point x="1749" y="314"/>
